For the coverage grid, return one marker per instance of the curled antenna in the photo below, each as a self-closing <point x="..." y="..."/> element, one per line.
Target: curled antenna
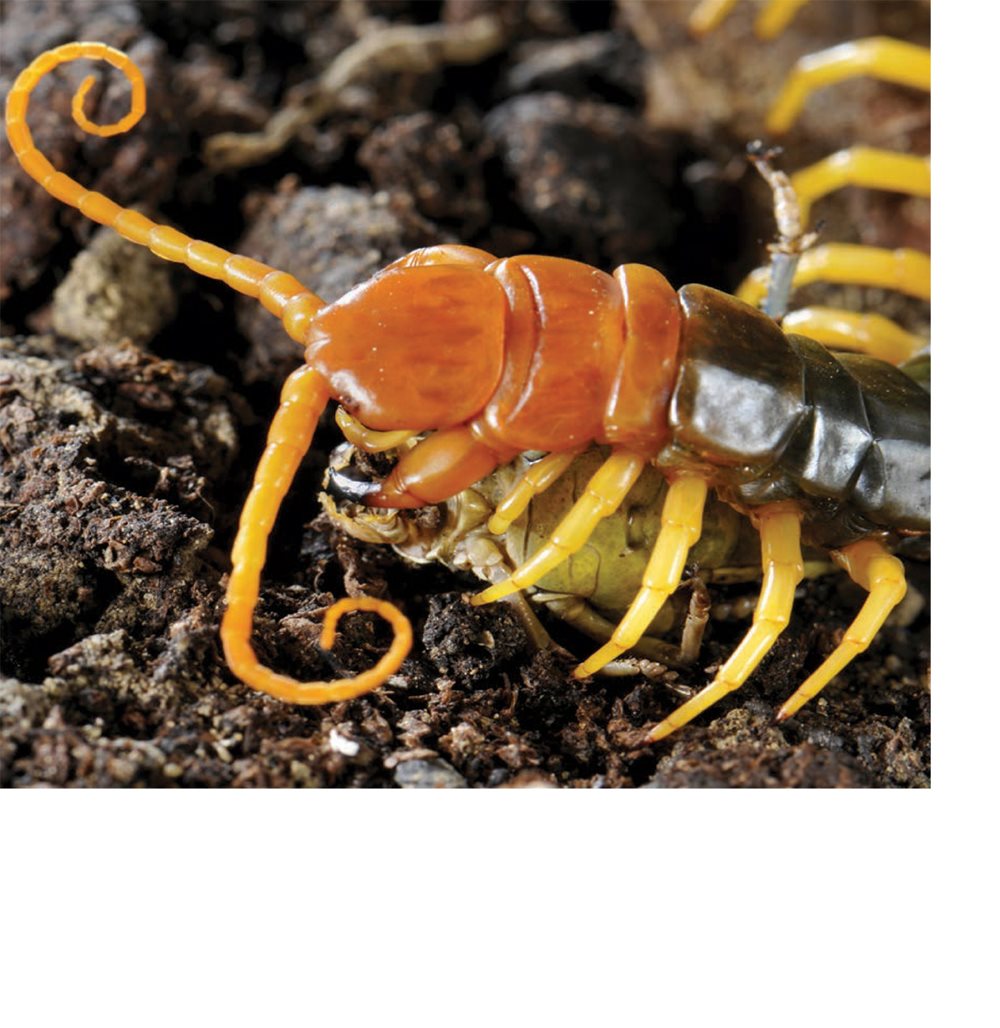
<point x="792" y="241"/>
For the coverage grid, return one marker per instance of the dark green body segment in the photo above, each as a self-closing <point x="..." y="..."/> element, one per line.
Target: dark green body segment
<point x="780" y="417"/>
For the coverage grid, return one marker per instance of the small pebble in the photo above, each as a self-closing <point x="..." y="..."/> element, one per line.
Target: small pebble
<point x="341" y="744"/>
<point x="428" y="774"/>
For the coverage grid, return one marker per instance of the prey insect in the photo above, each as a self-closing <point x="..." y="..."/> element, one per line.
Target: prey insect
<point x="594" y="587"/>
<point x="486" y="359"/>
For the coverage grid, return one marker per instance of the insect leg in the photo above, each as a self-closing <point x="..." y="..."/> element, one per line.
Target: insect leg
<point x="368" y="439"/>
<point x="534" y="481"/>
<point x="709" y="15"/>
<point x="887" y="59"/>
<point x="772" y="20"/>
<point x="872" y="334"/>
<point x="303" y="399"/>
<point x="875" y="569"/>
<point x="862" y="166"/>
<point x="699" y="608"/>
<point x="781" y="558"/>
<point x="907" y="270"/>
<point x="786" y="251"/>
<point x="605" y="491"/>
<point x="774" y="17"/>
<point x="680" y="528"/>
<point x="585" y="619"/>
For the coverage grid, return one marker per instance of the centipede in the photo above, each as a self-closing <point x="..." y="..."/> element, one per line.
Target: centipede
<point x="801" y="423"/>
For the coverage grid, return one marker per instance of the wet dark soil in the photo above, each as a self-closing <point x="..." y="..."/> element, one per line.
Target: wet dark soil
<point x="134" y="397"/>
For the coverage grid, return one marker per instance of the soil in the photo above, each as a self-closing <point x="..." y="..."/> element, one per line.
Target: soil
<point x="135" y="396"/>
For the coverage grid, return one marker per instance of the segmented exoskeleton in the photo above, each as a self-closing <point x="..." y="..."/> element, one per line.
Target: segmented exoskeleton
<point x="489" y="358"/>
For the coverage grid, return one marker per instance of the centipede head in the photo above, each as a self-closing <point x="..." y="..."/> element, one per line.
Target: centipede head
<point x="415" y="348"/>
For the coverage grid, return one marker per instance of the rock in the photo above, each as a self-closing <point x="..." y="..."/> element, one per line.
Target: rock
<point x="428" y="774"/>
<point x="584" y="177"/>
<point x="115" y="290"/>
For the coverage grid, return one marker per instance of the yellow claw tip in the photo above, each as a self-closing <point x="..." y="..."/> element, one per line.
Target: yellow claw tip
<point x="495" y="592"/>
<point x="660" y="732"/>
<point x="580" y="671"/>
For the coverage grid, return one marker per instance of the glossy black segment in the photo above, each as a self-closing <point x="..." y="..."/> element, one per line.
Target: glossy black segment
<point x="739" y="392"/>
<point x="833" y="437"/>
<point x="894" y="482"/>
<point x="781" y="417"/>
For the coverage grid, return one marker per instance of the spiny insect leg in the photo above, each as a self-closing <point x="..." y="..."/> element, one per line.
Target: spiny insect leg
<point x="680" y="528"/>
<point x="605" y="491"/>
<point x="890" y="60"/>
<point x="303" y="399"/>
<point x="534" y="481"/>
<point x="875" y="569"/>
<point x="781" y="558"/>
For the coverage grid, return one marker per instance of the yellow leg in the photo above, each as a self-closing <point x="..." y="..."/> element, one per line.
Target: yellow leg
<point x="368" y="439"/>
<point x="680" y="529"/>
<point x="708" y="16"/>
<point x="887" y="59"/>
<point x="875" y="569"/>
<point x="872" y="334"/>
<point x="781" y="557"/>
<point x="775" y="16"/>
<point x="771" y="22"/>
<point x="605" y="491"/>
<point x="862" y="166"/>
<point x="909" y="271"/>
<point x="534" y="481"/>
<point x="302" y="401"/>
